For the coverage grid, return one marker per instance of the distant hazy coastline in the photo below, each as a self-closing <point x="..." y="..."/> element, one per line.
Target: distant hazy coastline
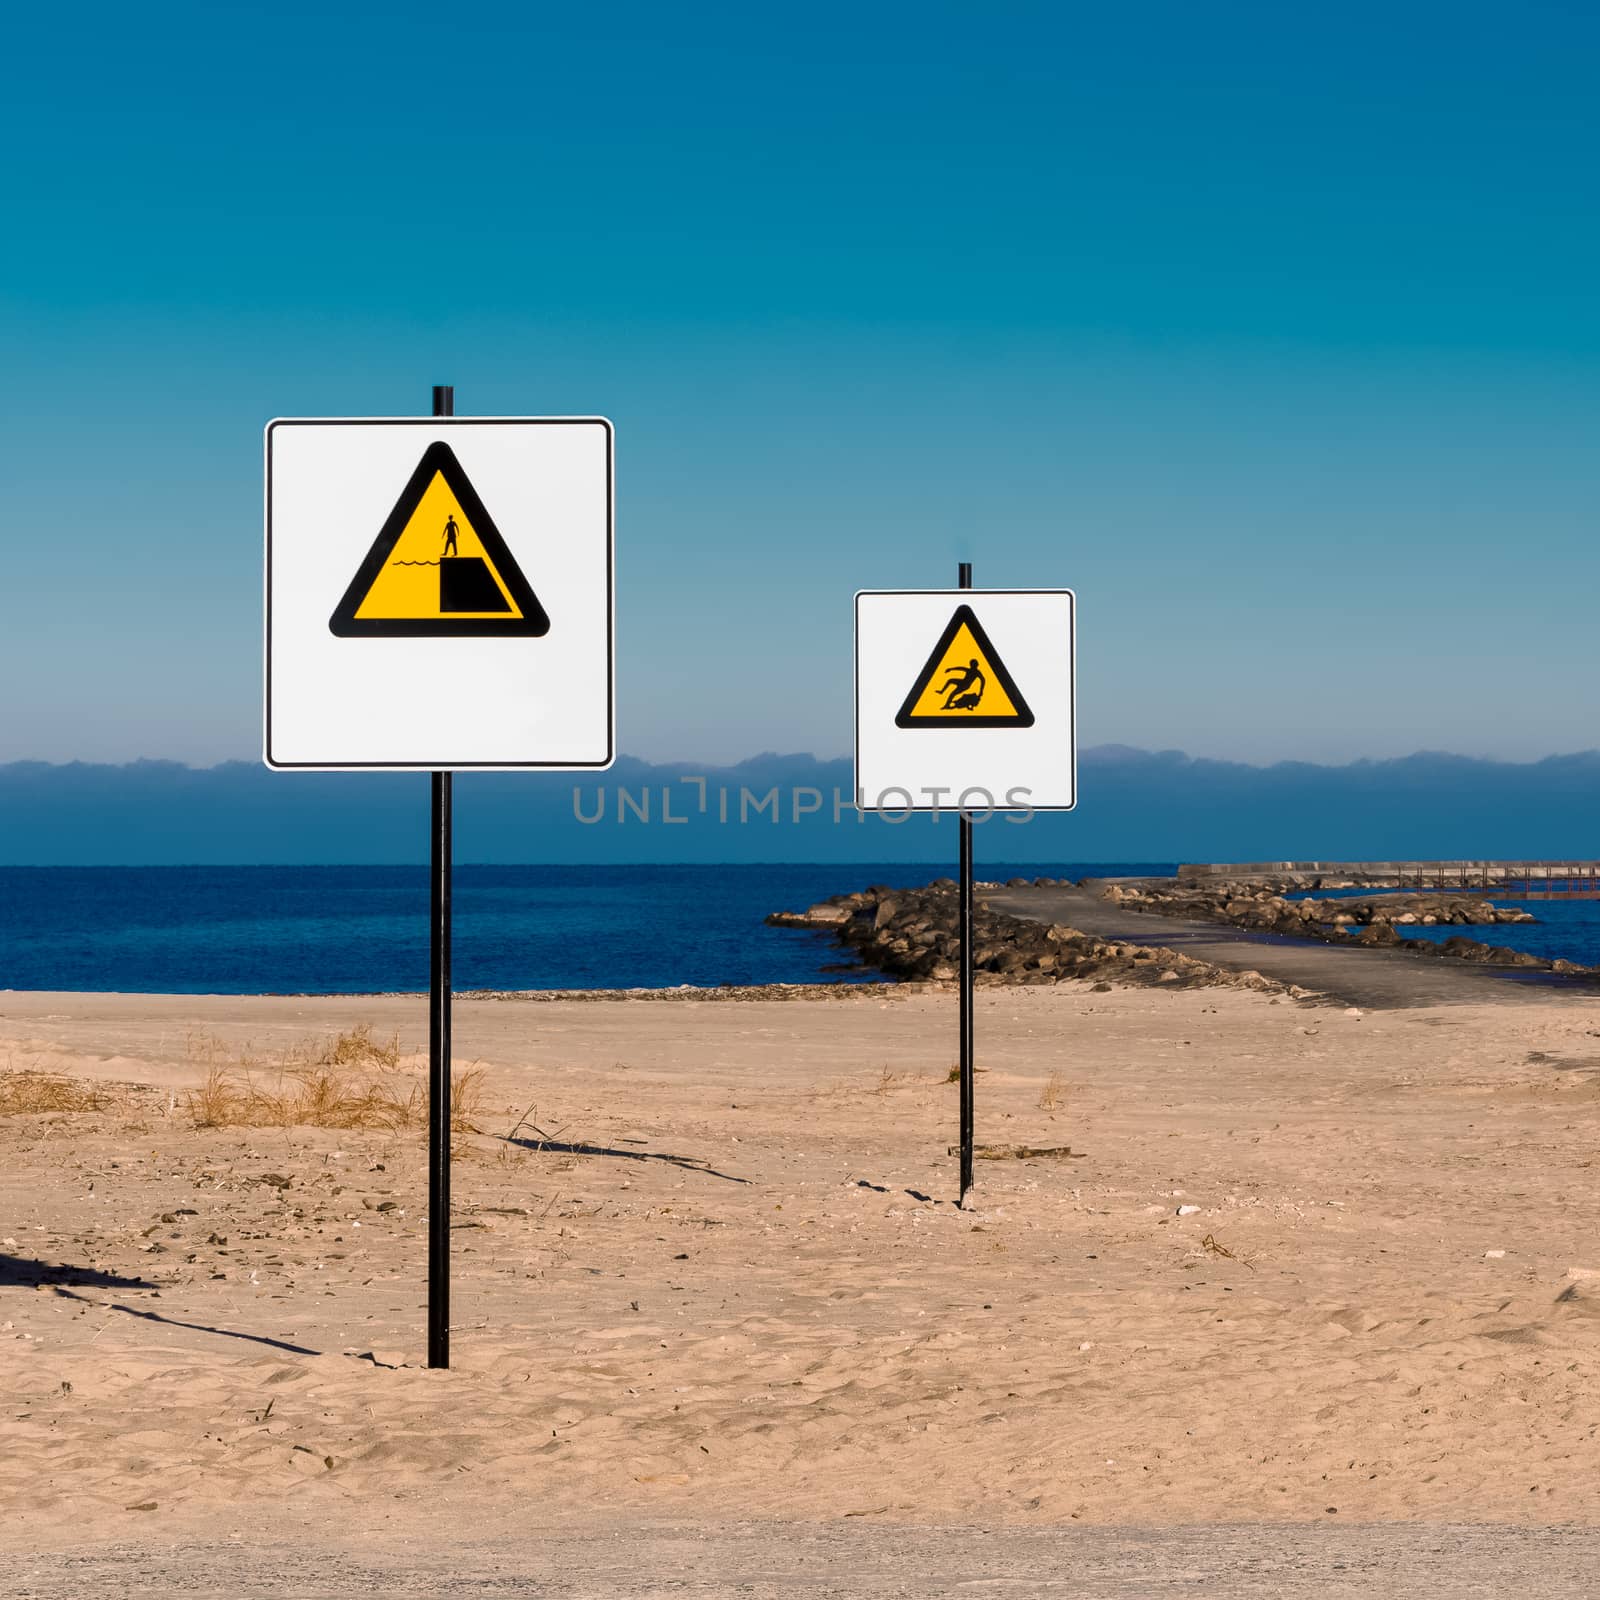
<point x="1135" y="806"/>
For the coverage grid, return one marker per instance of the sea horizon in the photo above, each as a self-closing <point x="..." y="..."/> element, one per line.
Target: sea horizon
<point x="359" y="929"/>
<point x="362" y="928"/>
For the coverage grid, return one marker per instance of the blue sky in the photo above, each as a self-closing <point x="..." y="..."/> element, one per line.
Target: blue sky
<point x="1271" y="330"/>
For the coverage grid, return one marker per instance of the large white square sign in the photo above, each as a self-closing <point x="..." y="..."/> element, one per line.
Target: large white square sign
<point x="965" y="700"/>
<point x="439" y="593"/>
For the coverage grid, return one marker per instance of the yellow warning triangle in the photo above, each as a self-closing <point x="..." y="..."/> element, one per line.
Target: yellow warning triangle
<point x="964" y="683"/>
<point x="439" y="566"/>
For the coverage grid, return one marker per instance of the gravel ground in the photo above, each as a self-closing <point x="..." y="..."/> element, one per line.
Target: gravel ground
<point x="790" y="1561"/>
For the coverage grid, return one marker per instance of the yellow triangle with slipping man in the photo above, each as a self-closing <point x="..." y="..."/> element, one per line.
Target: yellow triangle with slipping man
<point x="964" y="683"/>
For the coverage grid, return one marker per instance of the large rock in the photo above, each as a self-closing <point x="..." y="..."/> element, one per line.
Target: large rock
<point x="912" y="934"/>
<point x="819" y="916"/>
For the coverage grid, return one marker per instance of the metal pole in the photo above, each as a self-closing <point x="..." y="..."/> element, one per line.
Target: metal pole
<point x="964" y="581"/>
<point x="444" y="405"/>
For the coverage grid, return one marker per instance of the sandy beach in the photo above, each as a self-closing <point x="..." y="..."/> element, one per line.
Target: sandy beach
<point x="1304" y="1265"/>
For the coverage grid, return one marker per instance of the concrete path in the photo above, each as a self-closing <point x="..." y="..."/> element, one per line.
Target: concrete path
<point x="1379" y="979"/>
<point x="844" y="1562"/>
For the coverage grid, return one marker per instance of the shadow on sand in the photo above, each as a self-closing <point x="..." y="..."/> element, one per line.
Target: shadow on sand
<point x="64" y="1280"/>
<point x="562" y="1148"/>
<point x="28" y="1272"/>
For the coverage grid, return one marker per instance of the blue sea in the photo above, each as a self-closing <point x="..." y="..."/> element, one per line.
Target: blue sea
<point x="359" y="930"/>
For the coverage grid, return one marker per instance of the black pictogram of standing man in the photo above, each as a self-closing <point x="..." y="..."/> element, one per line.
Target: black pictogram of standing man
<point x="955" y="687"/>
<point x="450" y="531"/>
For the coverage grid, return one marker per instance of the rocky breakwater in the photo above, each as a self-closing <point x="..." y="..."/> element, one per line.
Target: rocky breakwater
<point x="1369" y="920"/>
<point x="915" y="934"/>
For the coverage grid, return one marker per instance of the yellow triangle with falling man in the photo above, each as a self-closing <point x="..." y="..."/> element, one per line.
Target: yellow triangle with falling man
<point x="964" y="683"/>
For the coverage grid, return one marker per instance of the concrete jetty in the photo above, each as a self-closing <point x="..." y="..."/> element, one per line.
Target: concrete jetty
<point x="1374" y="978"/>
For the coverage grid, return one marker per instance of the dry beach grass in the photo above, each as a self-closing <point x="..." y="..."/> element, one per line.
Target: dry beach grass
<point x="349" y="1081"/>
<point x="1299" y="1264"/>
<point x="28" y="1093"/>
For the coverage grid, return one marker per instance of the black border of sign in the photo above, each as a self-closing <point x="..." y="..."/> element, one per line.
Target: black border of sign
<point x="445" y="426"/>
<point x="1021" y="717"/>
<point x="531" y="623"/>
<point x="966" y="596"/>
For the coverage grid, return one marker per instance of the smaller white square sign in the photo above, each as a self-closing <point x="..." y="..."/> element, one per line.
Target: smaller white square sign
<point x="438" y="593"/>
<point x="965" y="700"/>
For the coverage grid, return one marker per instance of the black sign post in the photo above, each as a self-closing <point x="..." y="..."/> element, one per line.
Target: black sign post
<point x="444" y="405"/>
<point x="964" y="581"/>
<point x="329" y="483"/>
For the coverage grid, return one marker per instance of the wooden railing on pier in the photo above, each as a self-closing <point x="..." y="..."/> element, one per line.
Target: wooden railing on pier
<point x="1504" y="880"/>
<point x="1508" y="880"/>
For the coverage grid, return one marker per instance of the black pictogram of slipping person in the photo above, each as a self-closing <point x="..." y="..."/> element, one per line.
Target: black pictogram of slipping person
<point x="450" y="531"/>
<point x="958" y="689"/>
